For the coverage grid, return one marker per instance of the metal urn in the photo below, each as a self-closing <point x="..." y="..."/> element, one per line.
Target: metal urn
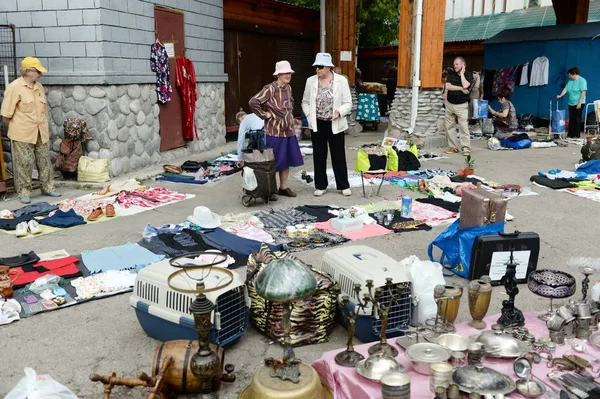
<point x="285" y="281"/>
<point x="480" y="294"/>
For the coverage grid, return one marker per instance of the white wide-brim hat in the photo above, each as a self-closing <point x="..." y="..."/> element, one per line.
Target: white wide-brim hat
<point x="282" y="67"/>
<point x="204" y="218"/>
<point x="323" y="59"/>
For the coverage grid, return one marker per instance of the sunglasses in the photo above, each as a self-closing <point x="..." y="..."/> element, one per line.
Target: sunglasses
<point x="319" y="67"/>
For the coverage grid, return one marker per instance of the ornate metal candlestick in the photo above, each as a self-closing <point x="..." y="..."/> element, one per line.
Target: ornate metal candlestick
<point x="384" y="313"/>
<point x="585" y="284"/>
<point x="511" y="316"/>
<point x="349" y="357"/>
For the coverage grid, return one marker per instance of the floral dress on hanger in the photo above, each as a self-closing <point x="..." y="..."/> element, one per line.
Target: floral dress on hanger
<point x="159" y="63"/>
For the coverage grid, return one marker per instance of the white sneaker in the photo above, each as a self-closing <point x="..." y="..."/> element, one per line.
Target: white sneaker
<point x="34" y="227"/>
<point x="347" y="192"/>
<point x="319" y="193"/>
<point x="21" y="229"/>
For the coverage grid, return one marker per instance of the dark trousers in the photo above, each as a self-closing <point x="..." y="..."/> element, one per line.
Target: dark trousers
<point x="574" y="121"/>
<point x="320" y="138"/>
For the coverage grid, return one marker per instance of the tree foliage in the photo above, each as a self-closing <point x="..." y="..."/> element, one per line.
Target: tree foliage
<point x="376" y="22"/>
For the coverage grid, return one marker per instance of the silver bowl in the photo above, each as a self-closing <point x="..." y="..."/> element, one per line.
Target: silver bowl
<point x="422" y="355"/>
<point x="454" y="342"/>
<point x="377" y="365"/>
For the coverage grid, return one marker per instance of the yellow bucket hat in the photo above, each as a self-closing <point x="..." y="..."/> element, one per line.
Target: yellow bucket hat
<point x="32" y="62"/>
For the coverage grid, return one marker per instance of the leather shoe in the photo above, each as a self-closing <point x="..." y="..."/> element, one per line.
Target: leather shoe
<point x="286" y="192"/>
<point x="95" y="215"/>
<point x="109" y="211"/>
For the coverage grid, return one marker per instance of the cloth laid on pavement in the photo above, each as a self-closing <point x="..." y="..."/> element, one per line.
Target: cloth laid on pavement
<point x="401" y="224"/>
<point x="83" y="207"/>
<point x="368" y="230"/>
<point x="149" y="198"/>
<point x="123" y="257"/>
<point x="242" y="246"/>
<point x="180" y="179"/>
<point x="11" y="224"/>
<point x="450" y="206"/>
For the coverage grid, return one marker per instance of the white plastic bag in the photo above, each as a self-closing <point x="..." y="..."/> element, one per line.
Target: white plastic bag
<point x="425" y="276"/>
<point x="34" y="386"/>
<point x="494" y="144"/>
<point x="249" y="179"/>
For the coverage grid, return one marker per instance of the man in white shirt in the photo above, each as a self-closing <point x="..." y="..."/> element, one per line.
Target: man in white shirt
<point x="253" y="126"/>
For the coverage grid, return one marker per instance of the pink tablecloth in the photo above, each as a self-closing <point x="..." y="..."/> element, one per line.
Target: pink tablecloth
<point x="345" y="383"/>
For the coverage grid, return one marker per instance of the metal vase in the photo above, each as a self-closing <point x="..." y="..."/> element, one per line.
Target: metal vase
<point x="449" y="303"/>
<point x="480" y="295"/>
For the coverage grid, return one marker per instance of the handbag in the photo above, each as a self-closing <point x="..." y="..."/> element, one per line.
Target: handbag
<point x="67" y="159"/>
<point x="480" y="109"/>
<point x="488" y="126"/>
<point x="93" y="170"/>
<point x="457" y="246"/>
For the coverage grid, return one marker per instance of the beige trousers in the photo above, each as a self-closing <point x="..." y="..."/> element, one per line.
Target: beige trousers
<point x="460" y="112"/>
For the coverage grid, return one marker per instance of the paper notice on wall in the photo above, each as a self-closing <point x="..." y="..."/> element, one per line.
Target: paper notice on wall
<point x="500" y="259"/>
<point x="170" y="47"/>
<point x="345" y="55"/>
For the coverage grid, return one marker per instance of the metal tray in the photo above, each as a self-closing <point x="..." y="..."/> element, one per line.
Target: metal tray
<point x="488" y="381"/>
<point x="509" y="347"/>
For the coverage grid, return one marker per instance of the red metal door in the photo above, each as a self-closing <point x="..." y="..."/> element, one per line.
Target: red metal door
<point x="169" y="28"/>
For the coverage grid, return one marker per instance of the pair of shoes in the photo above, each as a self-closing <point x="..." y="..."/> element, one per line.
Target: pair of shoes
<point x="52" y="194"/>
<point x="319" y="193"/>
<point x="452" y="151"/>
<point x="25" y="199"/>
<point x="287" y="192"/>
<point x="466" y="152"/>
<point x="346" y="192"/>
<point x="109" y="211"/>
<point x="25" y="228"/>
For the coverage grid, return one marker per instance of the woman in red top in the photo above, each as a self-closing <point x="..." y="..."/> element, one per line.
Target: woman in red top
<point x="275" y="105"/>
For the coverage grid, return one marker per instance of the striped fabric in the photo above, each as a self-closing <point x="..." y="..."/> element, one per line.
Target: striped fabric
<point x="280" y="103"/>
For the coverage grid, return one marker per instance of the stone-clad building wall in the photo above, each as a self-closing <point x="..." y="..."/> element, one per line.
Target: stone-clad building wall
<point x="97" y="53"/>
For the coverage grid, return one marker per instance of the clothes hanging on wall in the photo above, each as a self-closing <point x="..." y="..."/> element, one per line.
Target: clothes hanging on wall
<point x="186" y="82"/>
<point x="539" y="72"/>
<point x="524" y="80"/>
<point x="159" y="63"/>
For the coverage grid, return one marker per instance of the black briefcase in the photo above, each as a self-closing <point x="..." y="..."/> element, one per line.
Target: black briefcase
<point x="492" y="252"/>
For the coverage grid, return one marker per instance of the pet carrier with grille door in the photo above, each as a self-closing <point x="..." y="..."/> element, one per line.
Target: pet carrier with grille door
<point x="165" y="314"/>
<point x="355" y="265"/>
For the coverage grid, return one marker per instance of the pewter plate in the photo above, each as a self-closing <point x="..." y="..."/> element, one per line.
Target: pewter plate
<point x="483" y="380"/>
<point x="507" y="348"/>
<point x="375" y="375"/>
<point x="595" y="340"/>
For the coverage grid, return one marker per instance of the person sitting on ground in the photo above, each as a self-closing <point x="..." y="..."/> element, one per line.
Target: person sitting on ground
<point x="253" y="127"/>
<point x="505" y="120"/>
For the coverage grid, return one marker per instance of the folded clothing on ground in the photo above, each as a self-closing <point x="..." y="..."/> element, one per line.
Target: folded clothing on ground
<point x="553" y="184"/>
<point x="23" y="260"/>
<point x="63" y="220"/>
<point x="123" y="257"/>
<point x="450" y="206"/>
<point x="37" y="209"/>
<point x="11" y="224"/>
<point x="63" y="267"/>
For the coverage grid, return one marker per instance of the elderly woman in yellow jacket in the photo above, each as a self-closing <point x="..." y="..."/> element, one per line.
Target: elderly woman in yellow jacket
<point x="326" y="102"/>
<point x="25" y="111"/>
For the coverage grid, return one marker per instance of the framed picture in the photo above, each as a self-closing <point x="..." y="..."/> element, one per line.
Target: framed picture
<point x="389" y="142"/>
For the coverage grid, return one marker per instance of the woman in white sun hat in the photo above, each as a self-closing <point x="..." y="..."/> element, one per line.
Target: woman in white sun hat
<point x="275" y="104"/>
<point x="326" y="102"/>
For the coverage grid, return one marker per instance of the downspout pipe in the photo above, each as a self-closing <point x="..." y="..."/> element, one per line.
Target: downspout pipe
<point x="416" y="73"/>
<point x="323" y="32"/>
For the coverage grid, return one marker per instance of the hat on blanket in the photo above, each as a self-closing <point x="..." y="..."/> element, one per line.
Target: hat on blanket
<point x="204" y="218"/>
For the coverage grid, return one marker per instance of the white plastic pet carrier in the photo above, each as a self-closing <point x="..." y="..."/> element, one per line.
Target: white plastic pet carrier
<point x="352" y="265"/>
<point x="165" y="314"/>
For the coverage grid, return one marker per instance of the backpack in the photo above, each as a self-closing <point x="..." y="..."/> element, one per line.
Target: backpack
<point x="591" y="150"/>
<point x="75" y="129"/>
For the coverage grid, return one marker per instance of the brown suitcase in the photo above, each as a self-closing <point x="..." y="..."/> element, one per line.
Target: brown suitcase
<point x="480" y="207"/>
